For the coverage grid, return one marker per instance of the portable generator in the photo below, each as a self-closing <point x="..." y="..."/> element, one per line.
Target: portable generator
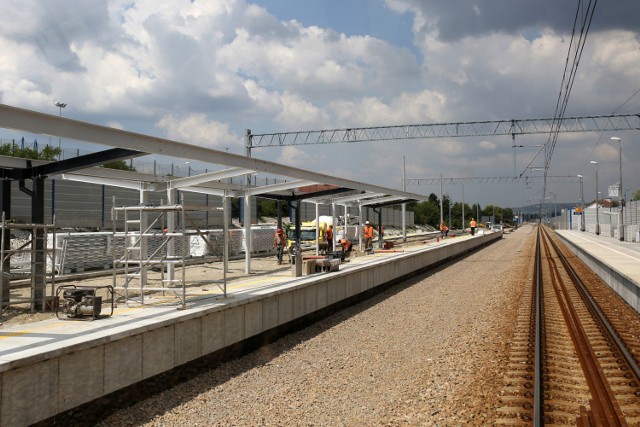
<point x="80" y="302"/>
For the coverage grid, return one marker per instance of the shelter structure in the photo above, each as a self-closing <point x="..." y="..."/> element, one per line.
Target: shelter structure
<point x="302" y="185"/>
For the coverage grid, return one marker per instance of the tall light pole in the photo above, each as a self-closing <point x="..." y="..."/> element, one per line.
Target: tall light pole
<point x="463" y="225"/>
<point x="597" y="203"/>
<point x="60" y="105"/>
<point x="582" y="203"/>
<point x="620" y="193"/>
<point x="404" y="205"/>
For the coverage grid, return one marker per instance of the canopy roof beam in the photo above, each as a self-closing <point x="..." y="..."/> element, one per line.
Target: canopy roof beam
<point x="70" y="165"/>
<point x="31" y="121"/>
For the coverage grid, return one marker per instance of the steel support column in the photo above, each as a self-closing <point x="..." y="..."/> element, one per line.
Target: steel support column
<point x="38" y="265"/>
<point x="5" y="201"/>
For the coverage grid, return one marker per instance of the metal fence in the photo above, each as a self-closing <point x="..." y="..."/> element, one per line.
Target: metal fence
<point x="607" y="219"/>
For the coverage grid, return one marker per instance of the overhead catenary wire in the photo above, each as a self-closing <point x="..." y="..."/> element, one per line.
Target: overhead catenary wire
<point x="568" y="79"/>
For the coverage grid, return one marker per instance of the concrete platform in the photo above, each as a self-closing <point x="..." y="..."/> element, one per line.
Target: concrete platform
<point x="616" y="262"/>
<point x="56" y="366"/>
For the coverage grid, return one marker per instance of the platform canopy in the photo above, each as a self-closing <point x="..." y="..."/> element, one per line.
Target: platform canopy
<point x="300" y="184"/>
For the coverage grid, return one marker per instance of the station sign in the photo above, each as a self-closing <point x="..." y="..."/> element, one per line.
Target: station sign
<point x="614" y="191"/>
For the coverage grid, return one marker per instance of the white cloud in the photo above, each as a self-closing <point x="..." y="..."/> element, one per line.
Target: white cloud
<point x="197" y="129"/>
<point x="204" y="71"/>
<point x="299" y="113"/>
<point x="487" y="145"/>
<point x="406" y="108"/>
<point x="295" y="156"/>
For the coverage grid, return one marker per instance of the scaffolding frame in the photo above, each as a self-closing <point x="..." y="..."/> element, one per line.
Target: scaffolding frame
<point x="38" y="272"/>
<point x="136" y="259"/>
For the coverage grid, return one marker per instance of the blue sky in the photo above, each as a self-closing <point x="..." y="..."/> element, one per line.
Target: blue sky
<point x="353" y="17"/>
<point x="202" y="72"/>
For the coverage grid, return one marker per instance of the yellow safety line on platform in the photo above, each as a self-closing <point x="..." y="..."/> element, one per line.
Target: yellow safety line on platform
<point x="4" y="335"/>
<point x="47" y="326"/>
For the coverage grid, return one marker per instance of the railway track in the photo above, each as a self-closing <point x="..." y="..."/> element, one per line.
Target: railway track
<point x="574" y="358"/>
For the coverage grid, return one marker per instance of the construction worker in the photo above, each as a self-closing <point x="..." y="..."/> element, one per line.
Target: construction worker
<point x="443" y="229"/>
<point x="330" y="239"/>
<point x="279" y="243"/>
<point x="472" y="224"/>
<point x="368" y="236"/>
<point x="346" y="248"/>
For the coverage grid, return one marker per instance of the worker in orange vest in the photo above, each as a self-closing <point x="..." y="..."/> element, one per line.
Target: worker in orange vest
<point x="444" y="230"/>
<point x="329" y="235"/>
<point x="472" y="224"/>
<point x="368" y="236"/>
<point x="346" y="248"/>
<point x="279" y="243"/>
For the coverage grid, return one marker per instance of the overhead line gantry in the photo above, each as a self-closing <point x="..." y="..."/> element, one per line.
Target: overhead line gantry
<point x="445" y="130"/>
<point x="491" y="180"/>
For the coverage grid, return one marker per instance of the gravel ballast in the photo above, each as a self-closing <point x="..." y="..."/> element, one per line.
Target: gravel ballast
<point x="429" y="351"/>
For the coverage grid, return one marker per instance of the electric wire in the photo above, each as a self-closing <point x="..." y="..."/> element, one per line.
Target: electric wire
<point x="567" y="83"/>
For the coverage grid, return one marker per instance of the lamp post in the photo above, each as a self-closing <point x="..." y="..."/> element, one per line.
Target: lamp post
<point x="582" y="203"/>
<point x="463" y="224"/>
<point x="597" y="207"/>
<point x="60" y="105"/>
<point x="620" y="193"/>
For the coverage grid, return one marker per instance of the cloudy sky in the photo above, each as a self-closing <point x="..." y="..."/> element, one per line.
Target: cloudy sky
<point x="203" y="71"/>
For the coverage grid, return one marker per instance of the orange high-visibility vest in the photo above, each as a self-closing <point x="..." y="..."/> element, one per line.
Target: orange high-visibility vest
<point x="368" y="232"/>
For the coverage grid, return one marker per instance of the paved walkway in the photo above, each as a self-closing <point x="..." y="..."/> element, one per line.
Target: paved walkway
<point x="623" y="257"/>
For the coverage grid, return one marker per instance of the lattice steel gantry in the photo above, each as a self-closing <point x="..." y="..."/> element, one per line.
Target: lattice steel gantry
<point x="446" y="130"/>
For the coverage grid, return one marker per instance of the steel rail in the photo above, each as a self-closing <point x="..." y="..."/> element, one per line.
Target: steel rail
<point x="538" y="397"/>
<point x="600" y="314"/>
<point x="604" y="406"/>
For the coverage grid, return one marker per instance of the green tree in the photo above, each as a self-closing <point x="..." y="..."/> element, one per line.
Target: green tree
<point x="636" y="195"/>
<point x="507" y="215"/>
<point x="456" y="215"/>
<point x="14" y="150"/>
<point x="120" y="165"/>
<point x="50" y="153"/>
<point x="269" y="208"/>
<point x="426" y="213"/>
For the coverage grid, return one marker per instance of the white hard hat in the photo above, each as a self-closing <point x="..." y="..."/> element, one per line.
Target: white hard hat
<point x="367" y="222"/>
